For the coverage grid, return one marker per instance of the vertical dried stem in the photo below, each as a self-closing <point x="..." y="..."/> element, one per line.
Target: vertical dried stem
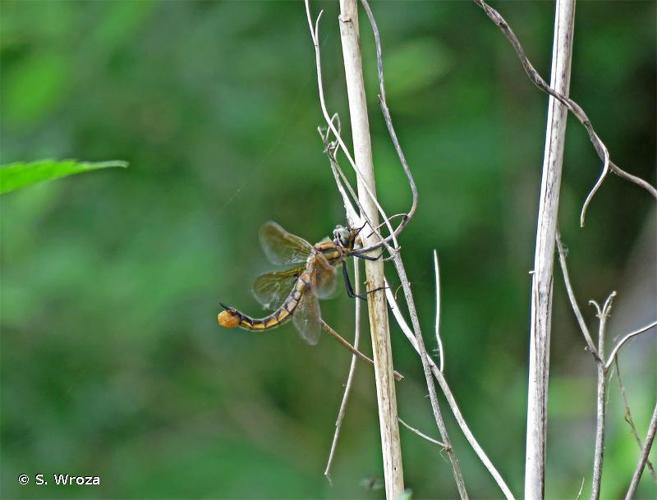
<point x="599" y="453"/>
<point x="378" y="313"/>
<point x="350" y="377"/>
<point x="541" y="304"/>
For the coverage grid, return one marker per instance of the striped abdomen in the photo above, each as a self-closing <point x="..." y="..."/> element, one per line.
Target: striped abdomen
<point x="232" y="318"/>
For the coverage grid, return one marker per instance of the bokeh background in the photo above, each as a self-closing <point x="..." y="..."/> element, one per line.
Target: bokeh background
<point x="112" y="362"/>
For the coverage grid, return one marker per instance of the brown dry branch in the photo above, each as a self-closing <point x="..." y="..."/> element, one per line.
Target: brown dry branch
<point x="630" y="419"/>
<point x="353" y="349"/>
<point x="624" y="339"/>
<point x="422" y="434"/>
<point x="350" y="376"/>
<point x="650" y="436"/>
<point x="571" y="105"/>
<point x="602" y="366"/>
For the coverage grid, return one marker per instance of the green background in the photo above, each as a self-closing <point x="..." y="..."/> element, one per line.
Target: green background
<point x="112" y="362"/>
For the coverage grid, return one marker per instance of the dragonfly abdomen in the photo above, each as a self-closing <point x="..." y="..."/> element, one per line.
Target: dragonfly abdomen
<point x="232" y="318"/>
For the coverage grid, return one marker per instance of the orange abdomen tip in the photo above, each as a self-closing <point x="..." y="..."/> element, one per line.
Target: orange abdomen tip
<point x="228" y="320"/>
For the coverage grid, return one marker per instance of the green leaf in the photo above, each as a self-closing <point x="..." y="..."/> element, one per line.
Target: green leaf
<point x="18" y="175"/>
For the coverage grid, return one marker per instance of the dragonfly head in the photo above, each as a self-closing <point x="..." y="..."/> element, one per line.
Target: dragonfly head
<point x="229" y="317"/>
<point x="344" y="237"/>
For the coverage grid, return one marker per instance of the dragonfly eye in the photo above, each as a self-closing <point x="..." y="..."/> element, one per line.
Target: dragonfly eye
<point x="343" y="236"/>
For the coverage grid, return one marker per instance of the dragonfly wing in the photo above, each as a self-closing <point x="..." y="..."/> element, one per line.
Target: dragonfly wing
<point x="271" y="289"/>
<point x="281" y="247"/>
<point x="324" y="278"/>
<point x="307" y="319"/>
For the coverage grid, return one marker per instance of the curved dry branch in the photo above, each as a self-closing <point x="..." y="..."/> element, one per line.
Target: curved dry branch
<point x="625" y="338"/>
<point x="572" y="106"/>
<point x="573" y="301"/>
<point x="387" y="118"/>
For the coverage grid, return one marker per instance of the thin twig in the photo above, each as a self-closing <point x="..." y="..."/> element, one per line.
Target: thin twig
<point x="636" y="477"/>
<point x="581" y="489"/>
<point x="451" y="401"/>
<point x="598" y="456"/>
<point x="573" y="301"/>
<point x="629" y="419"/>
<point x="571" y="105"/>
<point x="352" y="349"/>
<point x="422" y="434"/>
<point x="350" y="376"/>
<point x="625" y="338"/>
<point x="386" y="115"/>
<point x="439" y="342"/>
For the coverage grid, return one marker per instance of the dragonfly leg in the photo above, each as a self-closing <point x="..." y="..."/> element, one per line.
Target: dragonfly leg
<point x="377" y="289"/>
<point x="347" y="282"/>
<point x="367" y="257"/>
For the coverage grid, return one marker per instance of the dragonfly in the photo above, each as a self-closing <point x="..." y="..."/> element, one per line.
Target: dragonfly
<point x="294" y="293"/>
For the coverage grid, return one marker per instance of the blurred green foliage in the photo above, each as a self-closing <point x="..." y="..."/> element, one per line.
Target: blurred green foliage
<point x="20" y="174"/>
<point x="112" y="363"/>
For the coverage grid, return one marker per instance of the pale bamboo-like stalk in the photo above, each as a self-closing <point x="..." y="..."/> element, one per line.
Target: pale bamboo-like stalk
<point x="377" y="308"/>
<point x="541" y="297"/>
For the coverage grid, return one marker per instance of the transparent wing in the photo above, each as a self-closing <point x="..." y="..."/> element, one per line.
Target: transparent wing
<point x="271" y="289"/>
<point x="323" y="278"/>
<point x="281" y="247"/>
<point x="307" y="319"/>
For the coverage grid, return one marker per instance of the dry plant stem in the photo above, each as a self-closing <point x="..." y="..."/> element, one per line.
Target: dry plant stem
<point x="314" y="33"/>
<point x="439" y="342"/>
<point x="599" y="453"/>
<point x="582" y="323"/>
<point x="451" y="401"/>
<point x="541" y="297"/>
<point x="378" y="312"/>
<point x="581" y="489"/>
<point x="625" y="338"/>
<point x="636" y="477"/>
<point x="573" y="301"/>
<point x="629" y="419"/>
<point x="422" y="434"/>
<point x="350" y="376"/>
<point x="396" y="257"/>
<point x="572" y="106"/>
<point x="386" y="115"/>
<point x="602" y="369"/>
<point x="426" y="366"/>
<point x="352" y="349"/>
